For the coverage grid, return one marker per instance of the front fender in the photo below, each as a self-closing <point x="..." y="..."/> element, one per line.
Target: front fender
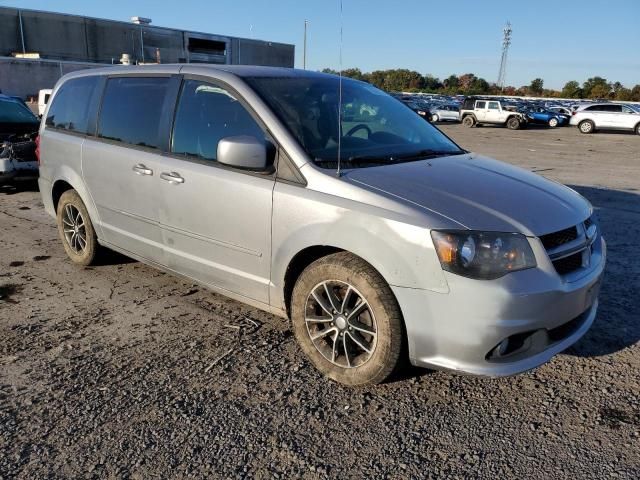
<point x="402" y="252"/>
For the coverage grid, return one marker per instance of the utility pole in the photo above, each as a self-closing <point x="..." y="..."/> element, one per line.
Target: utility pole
<point x="506" y="42"/>
<point x="304" y="49"/>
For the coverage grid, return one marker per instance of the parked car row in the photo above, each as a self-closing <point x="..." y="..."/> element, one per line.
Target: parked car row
<point x="472" y="111"/>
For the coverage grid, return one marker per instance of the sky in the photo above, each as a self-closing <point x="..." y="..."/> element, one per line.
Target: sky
<point x="557" y="40"/>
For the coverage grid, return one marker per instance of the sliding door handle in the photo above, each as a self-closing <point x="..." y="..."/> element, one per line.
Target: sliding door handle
<point x="140" y="169"/>
<point x="172" y="177"/>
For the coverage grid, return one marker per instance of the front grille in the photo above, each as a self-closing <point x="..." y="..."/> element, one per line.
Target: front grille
<point x="568" y="264"/>
<point x="553" y="240"/>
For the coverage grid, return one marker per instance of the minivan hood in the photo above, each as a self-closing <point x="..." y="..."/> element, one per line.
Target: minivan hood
<point x="479" y="193"/>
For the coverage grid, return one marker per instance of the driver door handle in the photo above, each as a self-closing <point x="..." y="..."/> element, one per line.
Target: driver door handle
<point x="141" y="169"/>
<point x="172" y="177"/>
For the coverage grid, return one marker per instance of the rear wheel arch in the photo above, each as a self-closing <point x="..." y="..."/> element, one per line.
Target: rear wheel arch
<point x="59" y="187"/>
<point x="637" y="128"/>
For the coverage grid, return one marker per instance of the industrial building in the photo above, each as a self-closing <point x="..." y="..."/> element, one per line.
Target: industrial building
<point x="37" y="47"/>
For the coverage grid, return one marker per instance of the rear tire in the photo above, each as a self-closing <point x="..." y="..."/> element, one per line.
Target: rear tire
<point x="469" y="121"/>
<point x="638" y="129"/>
<point x="335" y="302"/>
<point x="513" y="123"/>
<point x="553" y="122"/>
<point x="76" y="230"/>
<point x="586" y="127"/>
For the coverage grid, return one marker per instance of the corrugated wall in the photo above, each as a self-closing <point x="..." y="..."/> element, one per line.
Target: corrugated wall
<point x="75" y="38"/>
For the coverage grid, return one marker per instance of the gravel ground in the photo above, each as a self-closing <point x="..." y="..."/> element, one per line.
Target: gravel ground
<point x="119" y="370"/>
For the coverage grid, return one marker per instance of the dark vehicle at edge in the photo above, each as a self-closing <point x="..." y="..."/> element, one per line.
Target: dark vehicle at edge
<point x="18" y="131"/>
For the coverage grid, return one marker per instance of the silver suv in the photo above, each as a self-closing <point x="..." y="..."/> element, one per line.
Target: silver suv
<point x="374" y="233"/>
<point x="606" y="116"/>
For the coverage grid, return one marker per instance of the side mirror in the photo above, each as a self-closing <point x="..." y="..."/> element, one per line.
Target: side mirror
<point x="243" y="151"/>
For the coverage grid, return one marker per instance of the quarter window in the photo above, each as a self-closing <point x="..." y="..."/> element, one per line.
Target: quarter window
<point x="131" y="110"/>
<point x="70" y="107"/>
<point x="205" y="115"/>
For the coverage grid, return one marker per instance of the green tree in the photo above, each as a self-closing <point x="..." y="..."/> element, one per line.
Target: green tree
<point x="479" y="86"/>
<point x="377" y="78"/>
<point x="432" y="84"/>
<point x="451" y="82"/>
<point x="603" y="87"/>
<point x="353" y="73"/>
<point x="635" y="94"/>
<point x="623" y="94"/>
<point x="571" y="90"/>
<point x="600" y="91"/>
<point x="537" y="86"/>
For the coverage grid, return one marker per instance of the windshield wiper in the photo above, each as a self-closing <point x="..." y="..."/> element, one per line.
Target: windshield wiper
<point x="361" y="160"/>
<point x="357" y="161"/>
<point x="427" y="153"/>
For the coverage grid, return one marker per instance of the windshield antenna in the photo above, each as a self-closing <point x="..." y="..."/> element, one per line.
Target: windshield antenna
<point x="340" y="97"/>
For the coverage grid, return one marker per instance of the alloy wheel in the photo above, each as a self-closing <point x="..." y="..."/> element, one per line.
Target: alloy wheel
<point x="74" y="229"/>
<point x="585" y="127"/>
<point x="341" y="324"/>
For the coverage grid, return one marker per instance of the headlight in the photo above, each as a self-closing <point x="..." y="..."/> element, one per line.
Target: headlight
<point x="422" y="112"/>
<point x="482" y="255"/>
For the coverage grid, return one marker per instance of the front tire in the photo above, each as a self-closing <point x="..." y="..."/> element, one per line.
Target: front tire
<point x="586" y="126"/>
<point x="434" y="118"/>
<point x="75" y="229"/>
<point x="638" y="129"/>
<point x="347" y="320"/>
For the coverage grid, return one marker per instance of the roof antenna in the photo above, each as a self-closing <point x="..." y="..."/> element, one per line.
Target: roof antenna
<point x="340" y="98"/>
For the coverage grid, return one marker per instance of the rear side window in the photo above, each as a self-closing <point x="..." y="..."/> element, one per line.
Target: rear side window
<point x="70" y="107"/>
<point x="494" y="106"/>
<point x="131" y="108"/>
<point x="205" y="115"/>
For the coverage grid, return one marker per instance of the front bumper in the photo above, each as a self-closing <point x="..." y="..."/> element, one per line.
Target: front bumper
<point x="459" y="330"/>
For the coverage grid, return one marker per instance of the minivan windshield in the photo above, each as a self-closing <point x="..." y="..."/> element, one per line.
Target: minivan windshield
<point x="375" y="128"/>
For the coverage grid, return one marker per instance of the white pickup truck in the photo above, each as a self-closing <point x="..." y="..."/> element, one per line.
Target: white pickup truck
<point x="476" y="111"/>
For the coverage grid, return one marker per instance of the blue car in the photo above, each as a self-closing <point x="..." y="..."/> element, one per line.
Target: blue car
<point x="546" y="117"/>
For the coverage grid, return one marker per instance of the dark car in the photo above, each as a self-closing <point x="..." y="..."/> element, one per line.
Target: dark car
<point x="421" y="108"/>
<point x="18" y="130"/>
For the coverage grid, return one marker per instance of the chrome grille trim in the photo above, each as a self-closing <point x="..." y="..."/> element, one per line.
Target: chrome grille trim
<point x="586" y="234"/>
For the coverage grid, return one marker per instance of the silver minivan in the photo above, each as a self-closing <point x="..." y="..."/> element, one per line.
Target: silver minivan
<point x="328" y="202"/>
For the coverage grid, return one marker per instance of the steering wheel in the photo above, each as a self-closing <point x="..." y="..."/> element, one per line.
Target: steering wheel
<point x="360" y="126"/>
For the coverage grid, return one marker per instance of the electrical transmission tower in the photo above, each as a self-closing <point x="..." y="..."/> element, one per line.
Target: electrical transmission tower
<point x="506" y="41"/>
